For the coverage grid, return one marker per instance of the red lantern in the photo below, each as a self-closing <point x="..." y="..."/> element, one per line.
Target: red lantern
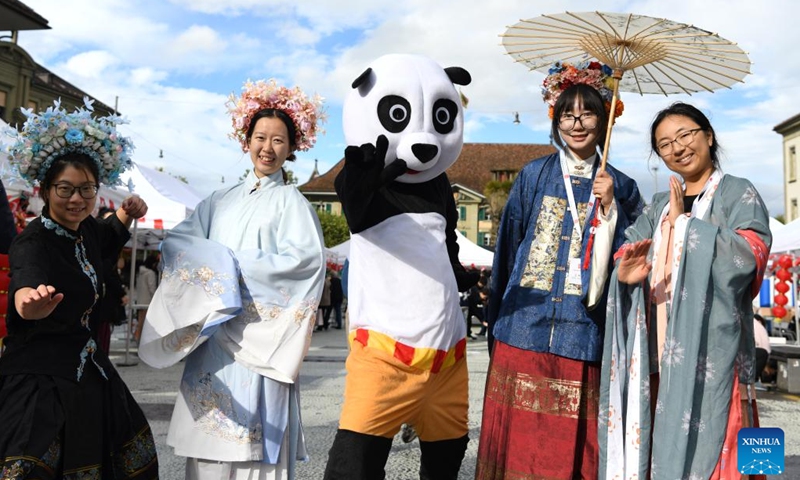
<point x="781" y="299"/>
<point x="785" y="261"/>
<point x="779" y="311"/>
<point x="781" y="287"/>
<point x="783" y="275"/>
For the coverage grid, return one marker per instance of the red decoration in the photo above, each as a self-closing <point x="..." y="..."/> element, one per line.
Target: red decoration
<point x="785" y="261"/>
<point x="779" y="311"/>
<point x="781" y="287"/>
<point x="783" y="275"/>
<point x="781" y="299"/>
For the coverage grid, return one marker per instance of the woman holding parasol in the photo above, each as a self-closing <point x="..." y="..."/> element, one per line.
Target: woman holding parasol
<point x="547" y="298"/>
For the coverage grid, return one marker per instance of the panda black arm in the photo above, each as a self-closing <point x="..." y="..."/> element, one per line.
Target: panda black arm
<point x="464" y="279"/>
<point x="359" y="182"/>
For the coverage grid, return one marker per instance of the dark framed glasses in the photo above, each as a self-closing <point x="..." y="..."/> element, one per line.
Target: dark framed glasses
<point x="587" y="120"/>
<point x="66" y="190"/>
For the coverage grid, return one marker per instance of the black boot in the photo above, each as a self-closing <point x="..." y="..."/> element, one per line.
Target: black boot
<point x="442" y="460"/>
<point x="357" y="456"/>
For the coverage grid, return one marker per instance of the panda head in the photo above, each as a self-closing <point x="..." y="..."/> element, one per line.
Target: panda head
<point x="413" y="102"/>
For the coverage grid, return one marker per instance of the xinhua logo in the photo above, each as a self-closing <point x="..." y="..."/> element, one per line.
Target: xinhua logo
<point x="760" y="451"/>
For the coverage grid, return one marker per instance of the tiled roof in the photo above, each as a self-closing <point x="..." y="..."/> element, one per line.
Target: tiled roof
<point x="473" y="169"/>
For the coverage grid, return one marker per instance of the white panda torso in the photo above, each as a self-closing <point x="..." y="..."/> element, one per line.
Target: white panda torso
<point x="401" y="283"/>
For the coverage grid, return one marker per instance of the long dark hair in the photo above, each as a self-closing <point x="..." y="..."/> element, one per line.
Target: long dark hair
<point x="591" y="100"/>
<point x="282" y="116"/>
<point x="151" y="262"/>
<point x="694" y="114"/>
<point x="78" y="161"/>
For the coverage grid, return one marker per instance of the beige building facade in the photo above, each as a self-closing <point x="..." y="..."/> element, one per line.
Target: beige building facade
<point x="790" y="131"/>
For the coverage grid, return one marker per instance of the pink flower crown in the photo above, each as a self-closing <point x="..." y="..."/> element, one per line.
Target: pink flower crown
<point x="563" y="75"/>
<point x="305" y="113"/>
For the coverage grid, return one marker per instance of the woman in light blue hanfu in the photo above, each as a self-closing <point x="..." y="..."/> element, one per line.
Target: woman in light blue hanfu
<point x="677" y="374"/>
<point x="242" y="278"/>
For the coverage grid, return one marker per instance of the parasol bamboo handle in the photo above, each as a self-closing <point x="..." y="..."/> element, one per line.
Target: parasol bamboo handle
<point x="617" y="75"/>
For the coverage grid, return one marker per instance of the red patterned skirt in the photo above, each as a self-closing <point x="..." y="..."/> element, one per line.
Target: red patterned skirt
<point x="539" y="417"/>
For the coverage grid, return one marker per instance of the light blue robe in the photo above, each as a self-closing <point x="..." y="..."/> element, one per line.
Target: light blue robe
<point x="242" y="279"/>
<point x="709" y="339"/>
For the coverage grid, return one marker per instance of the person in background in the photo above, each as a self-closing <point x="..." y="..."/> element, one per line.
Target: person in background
<point x="324" y="311"/>
<point x="65" y="411"/>
<point x="146" y="283"/>
<point x="679" y="353"/>
<point x="242" y="278"/>
<point x="763" y="348"/>
<point x="337" y="297"/>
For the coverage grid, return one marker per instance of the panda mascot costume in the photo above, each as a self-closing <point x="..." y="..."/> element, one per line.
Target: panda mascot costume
<point x="403" y="122"/>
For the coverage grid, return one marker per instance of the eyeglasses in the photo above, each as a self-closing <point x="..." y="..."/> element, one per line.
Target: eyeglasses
<point x="65" y="190"/>
<point x="684" y="140"/>
<point x="587" y="120"/>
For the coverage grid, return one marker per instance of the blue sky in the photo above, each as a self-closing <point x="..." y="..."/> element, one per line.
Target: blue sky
<point x="172" y="64"/>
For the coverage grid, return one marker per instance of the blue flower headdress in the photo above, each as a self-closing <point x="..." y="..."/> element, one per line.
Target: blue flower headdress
<point x="54" y="133"/>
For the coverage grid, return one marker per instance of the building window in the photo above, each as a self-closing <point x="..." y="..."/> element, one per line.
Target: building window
<point x="2" y="104"/>
<point x="504" y="175"/>
<point x="792" y="164"/>
<point x="33" y="106"/>
<point x="483" y="213"/>
<point x="794" y="210"/>
<point x="486" y="238"/>
<point x="462" y="213"/>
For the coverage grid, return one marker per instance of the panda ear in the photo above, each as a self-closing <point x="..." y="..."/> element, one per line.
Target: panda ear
<point x="458" y="75"/>
<point x="361" y="78"/>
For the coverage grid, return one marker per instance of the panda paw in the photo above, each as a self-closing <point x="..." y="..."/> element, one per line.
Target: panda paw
<point x="370" y="161"/>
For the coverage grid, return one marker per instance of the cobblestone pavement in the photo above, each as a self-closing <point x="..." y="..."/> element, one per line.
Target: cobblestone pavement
<point x="322" y="386"/>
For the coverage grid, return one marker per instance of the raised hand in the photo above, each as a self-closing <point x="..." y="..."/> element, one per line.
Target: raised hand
<point x="134" y="206"/>
<point x="634" y="267"/>
<point x="370" y="160"/>
<point x="675" y="200"/>
<point x="37" y="303"/>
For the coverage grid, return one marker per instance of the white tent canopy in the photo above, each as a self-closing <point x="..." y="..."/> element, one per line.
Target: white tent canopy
<point x="785" y="238"/>
<point x="169" y="201"/>
<point x="468" y="253"/>
<point x="471" y="254"/>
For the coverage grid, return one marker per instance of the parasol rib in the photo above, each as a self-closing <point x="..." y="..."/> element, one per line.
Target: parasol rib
<point x="576" y="25"/>
<point x="652" y="77"/>
<point x="551" y="28"/>
<point x="616" y="34"/>
<point x="643" y="31"/>
<point x="577" y="28"/>
<point x="682" y="67"/>
<point x="678" y="85"/>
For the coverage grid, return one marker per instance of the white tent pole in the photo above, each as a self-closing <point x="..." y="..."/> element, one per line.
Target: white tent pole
<point x="131" y="301"/>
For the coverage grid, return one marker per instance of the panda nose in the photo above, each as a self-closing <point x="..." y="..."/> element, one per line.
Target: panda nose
<point x="424" y="151"/>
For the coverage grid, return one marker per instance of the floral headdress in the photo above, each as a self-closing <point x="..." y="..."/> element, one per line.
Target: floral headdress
<point x="53" y="133"/>
<point x="305" y="112"/>
<point x="563" y="75"/>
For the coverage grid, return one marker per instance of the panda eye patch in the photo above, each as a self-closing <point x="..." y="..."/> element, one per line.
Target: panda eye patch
<point x="394" y="113"/>
<point x="444" y="115"/>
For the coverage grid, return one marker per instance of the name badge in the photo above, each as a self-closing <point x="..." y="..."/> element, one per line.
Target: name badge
<point x="574" y="274"/>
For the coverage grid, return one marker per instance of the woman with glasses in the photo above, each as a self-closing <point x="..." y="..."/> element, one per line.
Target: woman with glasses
<point x="547" y="301"/>
<point x="65" y="411"/>
<point x="679" y="344"/>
